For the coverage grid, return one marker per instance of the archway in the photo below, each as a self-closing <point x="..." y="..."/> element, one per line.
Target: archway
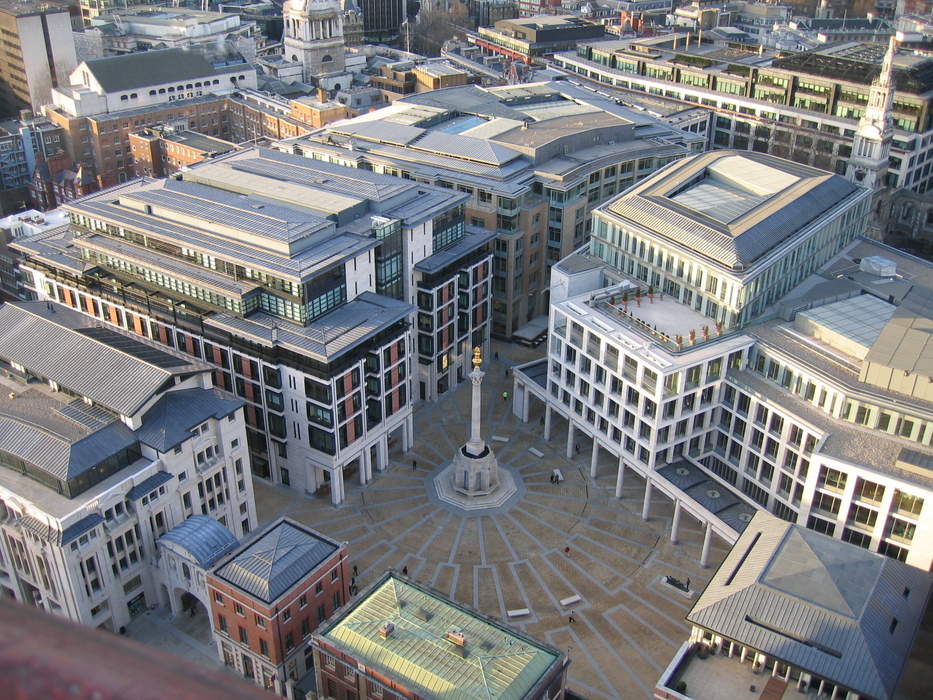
<point x="192" y="616"/>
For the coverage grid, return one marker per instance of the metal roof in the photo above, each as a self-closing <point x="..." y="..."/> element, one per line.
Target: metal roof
<point x="276" y="559"/>
<point x="205" y="539"/>
<point x="495" y="661"/>
<point x="144" y="68"/>
<point x="148" y="484"/>
<point x="472" y="240"/>
<point x="769" y="201"/>
<point x="906" y="341"/>
<point x="831" y="608"/>
<point x="325" y="338"/>
<point x="169" y="422"/>
<point x="61" y="344"/>
<point x="46" y="531"/>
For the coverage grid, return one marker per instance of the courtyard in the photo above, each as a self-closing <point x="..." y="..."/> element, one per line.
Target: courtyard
<point x="628" y="624"/>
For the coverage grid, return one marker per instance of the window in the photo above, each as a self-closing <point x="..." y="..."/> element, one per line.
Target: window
<point x="260" y="622"/>
<point x="321" y="613"/>
<point x="286" y="615"/>
<point x="218" y="598"/>
<point x="264" y="648"/>
<point x="238" y="609"/>
<point x="302" y="601"/>
<point x="305" y="627"/>
<point x="289" y="641"/>
<point x="319" y="588"/>
<point x="333" y="575"/>
<point x="244" y="637"/>
<point x="337" y="601"/>
<point x="222" y="623"/>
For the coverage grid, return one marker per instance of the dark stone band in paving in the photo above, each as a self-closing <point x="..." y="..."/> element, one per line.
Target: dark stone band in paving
<point x="547" y="543"/>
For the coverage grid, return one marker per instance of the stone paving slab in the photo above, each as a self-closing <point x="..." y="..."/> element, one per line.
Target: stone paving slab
<point x="625" y="631"/>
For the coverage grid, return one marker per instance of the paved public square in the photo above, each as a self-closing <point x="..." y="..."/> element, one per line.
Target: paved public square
<point x="627" y="624"/>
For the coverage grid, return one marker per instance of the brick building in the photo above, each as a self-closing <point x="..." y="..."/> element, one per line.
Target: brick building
<point x="269" y="595"/>
<point x="400" y="639"/>
<point x="161" y="151"/>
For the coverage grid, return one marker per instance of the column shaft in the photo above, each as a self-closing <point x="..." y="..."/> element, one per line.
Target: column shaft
<point x="594" y="458"/>
<point x="620" y="478"/>
<point x="569" y="438"/>
<point x="675" y="521"/>
<point x="547" y="422"/>
<point x="646" y="507"/>
<point x="707" y="541"/>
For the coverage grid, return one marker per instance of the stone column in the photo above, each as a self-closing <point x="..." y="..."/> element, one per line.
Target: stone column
<point x="569" y="438"/>
<point x="475" y="444"/>
<point x="594" y="458"/>
<point x="408" y="434"/>
<point x="526" y="403"/>
<point x="547" y="422"/>
<point x="646" y="507"/>
<point x="336" y="486"/>
<point x="620" y="478"/>
<point x="707" y="541"/>
<point x="675" y="521"/>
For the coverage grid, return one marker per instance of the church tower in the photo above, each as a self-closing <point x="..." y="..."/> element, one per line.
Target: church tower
<point x="871" y="146"/>
<point x="313" y="37"/>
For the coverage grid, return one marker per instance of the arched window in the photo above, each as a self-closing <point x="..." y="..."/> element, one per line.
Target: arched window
<point x="327" y="58"/>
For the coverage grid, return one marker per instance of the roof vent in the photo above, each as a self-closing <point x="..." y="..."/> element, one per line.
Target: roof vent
<point x="877" y="265"/>
<point x="386" y="630"/>
<point x="455" y="635"/>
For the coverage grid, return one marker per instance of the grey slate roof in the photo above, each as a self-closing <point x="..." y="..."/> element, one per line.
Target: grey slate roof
<point x="61" y="345"/>
<point x="817" y="603"/>
<point x="60" y="537"/>
<point x="148" y="484"/>
<point x="144" y="68"/>
<point x="203" y="538"/>
<point x="168" y="423"/>
<point x="278" y="558"/>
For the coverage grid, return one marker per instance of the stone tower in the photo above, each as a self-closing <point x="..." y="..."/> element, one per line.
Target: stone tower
<point x="871" y="146"/>
<point x="313" y="36"/>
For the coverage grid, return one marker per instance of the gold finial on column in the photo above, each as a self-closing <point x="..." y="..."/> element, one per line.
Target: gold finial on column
<point x="477" y="358"/>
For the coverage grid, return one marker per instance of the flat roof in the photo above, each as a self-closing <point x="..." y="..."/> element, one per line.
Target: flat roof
<point x="494" y="661"/>
<point x="859" y="319"/>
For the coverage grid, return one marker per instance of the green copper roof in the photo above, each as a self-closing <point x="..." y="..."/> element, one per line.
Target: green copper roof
<point x="493" y="662"/>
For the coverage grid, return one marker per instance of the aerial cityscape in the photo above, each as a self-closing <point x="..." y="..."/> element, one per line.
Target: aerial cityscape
<point x="466" y="349"/>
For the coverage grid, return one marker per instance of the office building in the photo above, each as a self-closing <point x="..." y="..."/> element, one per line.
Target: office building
<point x="39" y="54"/>
<point x="399" y="639"/>
<point x="729" y="336"/>
<point x="803" y="106"/>
<point x="791" y="608"/>
<point x="268" y="596"/>
<point x="297" y="281"/>
<point x="532" y="160"/>
<point x="382" y="20"/>
<point x="530" y="39"/>
<point x="108" y="443"/>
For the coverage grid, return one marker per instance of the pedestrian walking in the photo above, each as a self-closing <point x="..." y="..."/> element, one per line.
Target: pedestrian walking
<point x="505" y="396"/>
<point x="570" y="618"/>
<point x="405" y="570"/>
<point x="414" y="464"/>
<point x="567" y="551"/>
<point x="356" y="572"/>
<point x="497" y="355"/>
<point x="577" y="447"/>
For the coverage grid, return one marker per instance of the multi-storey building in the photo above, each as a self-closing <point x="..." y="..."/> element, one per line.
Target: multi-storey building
<point x="804" y="106"/>
<point x="107" y="443"/>
<point x="400" y="639"/>
<point x="38" y="54"/>
<point x="532" y="161"/>
<point x="382" y="19"/>
<point x="162" y="151"/>
<point x="268" y="596"/>
<point x="729" y="336"/>
<point x="297" y="281"/>
<point x="530" y="39"/>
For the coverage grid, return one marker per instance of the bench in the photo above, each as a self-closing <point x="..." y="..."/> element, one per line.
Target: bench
<point x="536" y="452"/>
<point x="570" y="600"/>
<point x="499" y="438"/>
<point x="518" y="612"/>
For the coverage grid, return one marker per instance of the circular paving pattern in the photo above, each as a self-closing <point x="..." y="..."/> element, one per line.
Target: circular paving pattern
<point x="627" y="625"/>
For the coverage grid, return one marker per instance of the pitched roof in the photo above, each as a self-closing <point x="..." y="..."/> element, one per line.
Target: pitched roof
<point x="731" y="207"/>
<point x="276" y="559"/>
<point x="205" y="539"/>
<point x="170" y="420"/>
<point x="831" y="608"/>
<point x="114" y="369"/>
<point x="140" y="69"/>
